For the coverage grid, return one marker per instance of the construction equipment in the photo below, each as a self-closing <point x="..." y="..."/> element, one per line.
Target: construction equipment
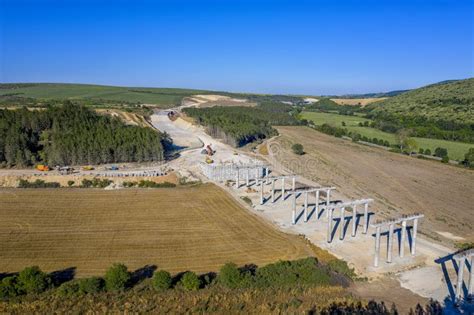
<point x="209" y="160"/>
<point x="88" y="168"/>
<point x="114" y="168"/>
<point x="65" y="170"/>
<point x="42" y="167"/>
<point x="209" y="150"/>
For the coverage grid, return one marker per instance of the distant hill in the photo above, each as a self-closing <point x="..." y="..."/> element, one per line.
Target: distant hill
<point x="444" y="106"/>
<point x="21" y="92"/>
<point x="374" y="95"/>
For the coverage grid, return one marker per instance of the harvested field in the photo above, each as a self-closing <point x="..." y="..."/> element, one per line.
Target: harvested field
<point x="357" y="101"/>
<point x="196" y="228"/>
<point x="398" y="183"/>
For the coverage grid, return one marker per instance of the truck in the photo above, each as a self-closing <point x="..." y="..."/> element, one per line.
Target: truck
<point x="42" y="167"/>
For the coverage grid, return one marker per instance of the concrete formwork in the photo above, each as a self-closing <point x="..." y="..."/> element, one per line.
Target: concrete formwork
<point x="390" y="226"/>
<point x="461" y="259"/>
<point x="235" y="172"/>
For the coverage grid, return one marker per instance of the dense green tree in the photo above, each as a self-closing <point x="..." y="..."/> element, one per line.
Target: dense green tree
<point x="33" y="280"/>
<point x="117" y="277"/>
<point x="190" y="281"/>
<point x="297" y="148"/>
<point x="161" y="280"/>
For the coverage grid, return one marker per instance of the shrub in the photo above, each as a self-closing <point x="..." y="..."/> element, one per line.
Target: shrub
<point x="341" y="267"/>
<point x="375" y="140"/>
<point x="70" y="183"/>
<point x="297" y="149"/>
<point x="365" y="139"/>
<point x="23" y="183"/>
<point x="190" y="281"/>
<point x="356" y="137"/>
<point x="421" y="151"/>
<point x="469" y="157"/>
<point x="427" y="152"/>
<point x="96" y="183"/>
<point x="90" y="285"/>
<point x="68" y="289"/>
<point x="343" y="124"/>
<point x="152" y="184"/>
<point x="230" y="276"/>
<point x="161" y="280"/>
<point x="8" y="287"/>
<point x="33" y="280"/>
<point x="440" y="152"/>
<point x="117" y="277"/>
<point x="445" y="159"/>
<point x="386" y="143"/>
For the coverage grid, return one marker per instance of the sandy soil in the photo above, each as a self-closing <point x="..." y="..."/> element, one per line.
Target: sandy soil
<point x="215" y="100"/>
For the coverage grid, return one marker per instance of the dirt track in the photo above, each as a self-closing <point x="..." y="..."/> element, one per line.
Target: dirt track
<point x="398" y="183"/>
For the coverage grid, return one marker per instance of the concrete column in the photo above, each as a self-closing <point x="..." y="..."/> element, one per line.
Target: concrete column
<point x="305" y="207"/>
<point x="377" y="246"/>
<point x="293" y="212"/>
<point x="329" y="225"/>
<point x="402" y="238"/>
<point x="317" y="205"/>
<point x="470" y="286"/>
<point x="293" y="184"/>
<point x="366" y="217"/>
<point x="460" y="279"/>
<point x="413" y="237"/>
<point x="390" y="243"/>
<point x="342" y="223"/>
<point x="257" y="173"/>
<point x="237" y="183"/>
<point x="248" y="178"/>
<point x="283" y="189"/>
<point x="328" y="199"/>
<point x="266" y="171"/>
<point x="354" y="220"/>
<point x="273" y="190"/>
<point x="261" y="192"/>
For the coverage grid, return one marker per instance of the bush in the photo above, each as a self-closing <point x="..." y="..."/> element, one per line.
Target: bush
<point x="90" y="285"/>
<point x="117" y="277"/>
<point x="161" y="280"/>
<point x="23" y="183"/>
<point x="469" y="158"/>
<point x="427" y="152"/>
<point x="96" y="183"/>
<point x="421" y="151"/>
<point x="68" y="289"/>
<point x="356" y="137"/>
<point x="445" y="159"/>
<point x="441" y="152"/>
<point x="297" y="149"/>
<point x="341" y="267"/>
<point x="33" y="280"/>
<point x="70" y="183"/>
<point x="230" y="276"/>
<point x="8" y="287"/>
<point x="343" y="124"/>
<point x="152" y="184"/>
<point x="386" y="143"/>
<point x="190" y="281"/>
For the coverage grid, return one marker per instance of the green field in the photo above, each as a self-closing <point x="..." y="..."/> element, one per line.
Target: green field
<point x="157" y="96"/>
<point x="456" y="150"/>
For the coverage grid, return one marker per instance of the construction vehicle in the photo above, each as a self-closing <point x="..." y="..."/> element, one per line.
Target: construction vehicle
<point x="209" y="150"/>
<point x="209" y="160"/>
<point x="114" y="168"/>
<point x="88" y="168"/>
<point x="65" y="170"/>
<point x="42" y="167"/>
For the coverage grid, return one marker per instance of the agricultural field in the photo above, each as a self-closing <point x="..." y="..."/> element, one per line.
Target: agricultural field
<point x="194" y="228"/>
<point x="398" y="183"/>
<point x="357" y="101"/>
<point x="163" y="97"/>
<point x="456" y="150"/>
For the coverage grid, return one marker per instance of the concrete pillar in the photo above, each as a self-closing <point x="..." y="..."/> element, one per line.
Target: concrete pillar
<point x="328" y="199"/>
<point x="354" y="220"/>
<point x="329" y="224"/>
<point x="460" y="279"/>
<point x="390" y="243"/>
<point x="266" y="171"/>
<point x="283" y="189"/>
<point x="316" y="211"/>
<point x="377" y="246"/>
<point x="273" y="190"/>
<point x="342" y="223"/>
<point x="248" y="178"/>
<point x="470" y="286"/>
<point x="402" y="238"/>
<point x="366" y="217"/>
<point x="293" y="212"/>
<point x="305" y="207"/>
<point x="293" y="184"/>
<point x="413" y="237"/>
<point x="261" y="192"/>
<point x="237" y="183"/>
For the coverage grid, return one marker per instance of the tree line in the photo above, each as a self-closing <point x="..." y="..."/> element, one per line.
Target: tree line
<point x="71" y="134"/>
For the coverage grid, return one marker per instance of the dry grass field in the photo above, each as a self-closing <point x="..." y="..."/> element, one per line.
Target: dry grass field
<point x="195" y="228"/>
<point x="398" y="183"/>
<point x="357" y="101"/>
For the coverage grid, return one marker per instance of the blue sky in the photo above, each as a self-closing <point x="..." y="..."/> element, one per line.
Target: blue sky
<point x="301" y="47"/>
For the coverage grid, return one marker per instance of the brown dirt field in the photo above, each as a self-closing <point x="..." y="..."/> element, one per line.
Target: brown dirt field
<point x="195" y="228"/>
<point x="357" y="101"/>
<point x="398" y="183"/>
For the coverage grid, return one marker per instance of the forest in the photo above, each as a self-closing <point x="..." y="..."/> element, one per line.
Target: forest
<point x="241" y="125"/>
<point x="72" y="134"/>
